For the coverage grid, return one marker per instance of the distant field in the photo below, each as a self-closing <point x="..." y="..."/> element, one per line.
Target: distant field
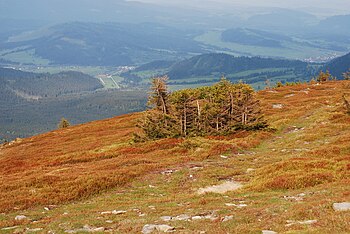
<point x="19" y="55"/>
<point x="290" y="50"/>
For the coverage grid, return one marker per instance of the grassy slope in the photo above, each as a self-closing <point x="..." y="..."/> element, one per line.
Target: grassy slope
<point x="95" y="166"/>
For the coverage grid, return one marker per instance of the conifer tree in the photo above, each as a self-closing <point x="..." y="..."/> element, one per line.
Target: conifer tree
<point x="219" y="109"/>
<point x="159" y="94"/>
<point x="64" y="123"/>
<point x="324" y="76"/>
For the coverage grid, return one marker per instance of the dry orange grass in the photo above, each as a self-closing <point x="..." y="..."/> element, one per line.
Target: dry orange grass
<point x="84" y="160"/>
<point x="310" y="149"/>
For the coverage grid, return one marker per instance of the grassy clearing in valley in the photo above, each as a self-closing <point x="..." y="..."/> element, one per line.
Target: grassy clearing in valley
<point x="294" y="174"/>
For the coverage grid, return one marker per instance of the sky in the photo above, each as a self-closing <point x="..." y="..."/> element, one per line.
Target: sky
<point x="339" y="6"/>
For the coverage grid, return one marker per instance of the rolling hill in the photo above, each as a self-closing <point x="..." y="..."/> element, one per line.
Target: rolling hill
<point x="338" y="66"/>
<point x="206" y="69"/>
<point x="92" y="177"/>
<point x="100" y="44"/>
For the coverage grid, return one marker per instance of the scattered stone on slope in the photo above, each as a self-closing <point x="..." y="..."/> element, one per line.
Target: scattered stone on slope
<point x="227" y="218"/>
<point x="168" y="172"/>
<point x="150" y="228"/>
<point x="306" y="222"/>
<point x="87" y="228"/>
<point x="21" y="218"/>
<point x="268" y="232"/>
<point x="114" y="212"/>
<point x="344" y="206"/>
<point x="277" y="106"/>
<point x="184" y="217"/>
<point x="221" y="188"/>
<point x="289" y="95"/>
<point x="299" y="197"/>
<point x="239" y="205"/>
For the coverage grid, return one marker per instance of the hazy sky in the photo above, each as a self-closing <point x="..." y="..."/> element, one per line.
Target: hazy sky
<point x="310" y="5"/>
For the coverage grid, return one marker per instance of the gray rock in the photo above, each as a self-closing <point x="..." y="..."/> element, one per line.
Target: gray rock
<point x="227" y="218"/>
<point x="306" y="222"/>
<point x="268" y="232"/>
<point x="344" y="206"/>
<point x="21" y="218"/>
<point x="149" y="228"/>
<point x="166" y="218"/>
<point x="182" y="217"/>
<point x="164" y="228"/>
<point x="118" y="212"/>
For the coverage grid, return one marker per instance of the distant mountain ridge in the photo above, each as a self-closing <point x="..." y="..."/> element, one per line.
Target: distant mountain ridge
<point x="209" y="64"/>
<point x="105" y="44"/>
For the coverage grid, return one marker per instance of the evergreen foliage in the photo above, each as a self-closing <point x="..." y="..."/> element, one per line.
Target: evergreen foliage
<point x="325" y="76"/>
<point x="216" y="110"/>
<point x="63" y="123"/>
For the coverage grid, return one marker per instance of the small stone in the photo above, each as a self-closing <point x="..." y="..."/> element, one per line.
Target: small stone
<point x="167" y="172"/>
<point x="223" y="156"/>
<point x="249" y="170"/>
<point x="230" y="204"/>
<point x="306" y="222"/>
<point x="99" y="229"/>
<point x="277" y="106"/>
<point x="106" y="212"/>
<point x="290" y="95"/>
<point x="227" y="218"/>
<point x="166" y="218"/>
<point x="197" y="217"/>
<point x="182" y="217"/>
<point x="344" y="206"/>
<point x="21" y="218"/>
<point x="268" y="232"/>
<point x="118" y="212"/>
<point x="149" y="228"/>
<point x="109" y="221"/>
<point x="164" y="228"/>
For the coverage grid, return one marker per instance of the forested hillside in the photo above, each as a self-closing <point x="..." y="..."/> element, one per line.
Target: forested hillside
<point x="26" y="84"/>
<point x="338" y="66"/>
<point x="33" y="103"/>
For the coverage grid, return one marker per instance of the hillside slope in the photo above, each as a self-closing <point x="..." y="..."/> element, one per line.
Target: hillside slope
<point x="338" y="66"/>
<point x="290" y="176"/>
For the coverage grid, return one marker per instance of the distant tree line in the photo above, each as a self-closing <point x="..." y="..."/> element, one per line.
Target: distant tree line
<point x="216" y="110"/>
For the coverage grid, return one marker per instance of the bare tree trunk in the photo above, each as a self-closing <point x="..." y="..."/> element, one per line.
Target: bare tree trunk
<point x="185" y="120"/>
